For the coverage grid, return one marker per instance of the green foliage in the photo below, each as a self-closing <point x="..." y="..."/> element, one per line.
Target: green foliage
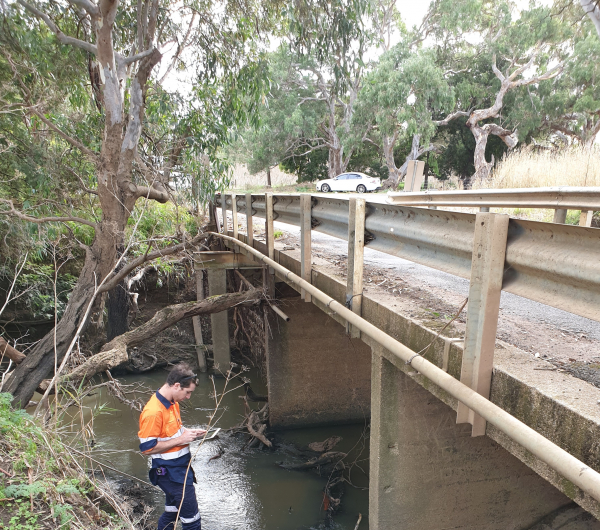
<point x="59" y="485"/>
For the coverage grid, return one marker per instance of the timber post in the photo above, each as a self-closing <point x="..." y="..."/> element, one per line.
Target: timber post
<point x="249" y="227"/>
<point x="224" y="211"/>
<point x="270" y="240"/>
<point x="356" y="250"/>
<point x="487" y="269"/>
<point x="234" y="214"/>
<point x="306" y="242"/>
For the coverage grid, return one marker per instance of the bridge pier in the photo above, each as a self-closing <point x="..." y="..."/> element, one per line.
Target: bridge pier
<point x="316" y="373"/>
<point x="428" y="473"/>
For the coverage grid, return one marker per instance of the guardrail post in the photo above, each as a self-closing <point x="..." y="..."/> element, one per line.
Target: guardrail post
<point x="356" y="249"/>
<point x="585" y="218"/>
<point x="249" y="227"/>
<point x="270" y="239"/>
<point x="234" y="214"/>
<point x="560" y="216"/>
<point x="306" y="242"/>
<point x="224" y="212"/>
<point x="200" y="352"/>
<point x="487" y="268"/>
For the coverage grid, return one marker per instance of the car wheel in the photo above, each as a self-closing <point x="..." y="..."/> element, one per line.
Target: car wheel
<point x="361" y="188"/>
<point x="325" y="188"/>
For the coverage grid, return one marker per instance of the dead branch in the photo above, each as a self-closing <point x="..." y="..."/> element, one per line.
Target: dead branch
<point x="6" y="350"/>
<point x="114" y="353"/>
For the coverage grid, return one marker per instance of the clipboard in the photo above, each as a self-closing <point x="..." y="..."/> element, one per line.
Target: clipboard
<point x="210" y="435"/>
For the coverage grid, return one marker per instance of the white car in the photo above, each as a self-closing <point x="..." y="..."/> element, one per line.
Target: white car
<point x="349" y="182"/>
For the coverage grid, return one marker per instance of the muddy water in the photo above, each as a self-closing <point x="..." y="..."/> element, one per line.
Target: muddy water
<point x="244" y="488"/>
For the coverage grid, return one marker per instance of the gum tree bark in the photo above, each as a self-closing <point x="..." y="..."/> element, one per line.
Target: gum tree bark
<point x="117" y="193"/>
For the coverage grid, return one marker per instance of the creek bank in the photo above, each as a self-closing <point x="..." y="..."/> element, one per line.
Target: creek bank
<point x="44" y="484"/>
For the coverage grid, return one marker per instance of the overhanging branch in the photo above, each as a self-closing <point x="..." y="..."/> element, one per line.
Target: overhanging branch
<point x="149" y="256"/>
<point x="39" y="220"/>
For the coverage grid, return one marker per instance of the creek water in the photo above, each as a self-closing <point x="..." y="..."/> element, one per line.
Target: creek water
<point x="244" y="489"/>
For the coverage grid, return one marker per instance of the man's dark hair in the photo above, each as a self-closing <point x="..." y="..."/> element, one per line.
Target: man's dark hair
<point x="182" y="374"/>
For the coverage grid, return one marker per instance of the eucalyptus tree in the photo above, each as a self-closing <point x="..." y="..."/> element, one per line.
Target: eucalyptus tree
<point x="125" y="137"/>
<point x="400" y="97"/>
<point x="523" y="50"/>
<point x="329" y="42"/>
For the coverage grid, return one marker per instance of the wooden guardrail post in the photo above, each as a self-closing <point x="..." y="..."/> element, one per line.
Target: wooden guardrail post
<point x="306" y="242"/>
<point x="487" y="268"/>
<point x="585" y="218"/>
<point x="560" y="216"/>
<point x="356" y="249"/>
<point x="249" y="227"/>
<point x="224" y="212"/>
<point x="234" y="214"/>
<point x="200" y="350"/>
<point x="270" y="239"/>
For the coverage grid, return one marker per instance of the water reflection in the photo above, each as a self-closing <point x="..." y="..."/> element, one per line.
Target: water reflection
<point x="242" y="489"/>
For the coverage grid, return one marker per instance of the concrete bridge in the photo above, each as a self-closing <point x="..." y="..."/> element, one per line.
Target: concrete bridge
<point x="435" y="463"/>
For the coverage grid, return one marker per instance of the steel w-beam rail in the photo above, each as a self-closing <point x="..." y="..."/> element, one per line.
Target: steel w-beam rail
<point x="557" y="458"/>
<point x="553" y="264"/>
<point x="562" y="197"/>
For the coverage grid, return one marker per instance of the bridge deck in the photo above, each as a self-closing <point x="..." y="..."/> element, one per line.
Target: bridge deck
<point x="563" y="408"/>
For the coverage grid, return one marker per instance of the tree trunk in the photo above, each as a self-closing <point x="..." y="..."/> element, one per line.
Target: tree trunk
<point x="39" y="363"/>
<point x="268" y="177"/>
<point x="394" y="172"/>
<point x="399" y="173"/>
<point x="114" y="353"/>
<point x="336" y="155"/>
<point x="117" y="306"/>
<point x="482" y="166"/>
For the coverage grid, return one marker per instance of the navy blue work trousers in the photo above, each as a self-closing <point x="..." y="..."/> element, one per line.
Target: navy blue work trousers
<point x="189" y="514"/>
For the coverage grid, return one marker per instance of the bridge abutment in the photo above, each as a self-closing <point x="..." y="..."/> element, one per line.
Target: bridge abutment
<point x="428" y="473"/>
<point x="316" y="373"/>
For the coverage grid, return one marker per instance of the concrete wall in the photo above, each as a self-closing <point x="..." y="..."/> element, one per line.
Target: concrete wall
<point x="316" y="373"/>
<point x="428" y="473"/>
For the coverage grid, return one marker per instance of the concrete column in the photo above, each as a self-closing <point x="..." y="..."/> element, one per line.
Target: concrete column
<point x="217" y="284"/>
<point x="427" y="473"/>
<point x="316" y="374"/>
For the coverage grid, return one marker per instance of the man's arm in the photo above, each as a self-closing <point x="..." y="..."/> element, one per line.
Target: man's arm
<point x="188" y="435"/>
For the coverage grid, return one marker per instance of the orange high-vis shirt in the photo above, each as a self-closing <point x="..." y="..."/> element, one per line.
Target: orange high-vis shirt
<point x="161" y="421"/>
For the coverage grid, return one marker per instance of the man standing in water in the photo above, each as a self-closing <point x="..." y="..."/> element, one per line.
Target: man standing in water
<point x="164" y="438"/>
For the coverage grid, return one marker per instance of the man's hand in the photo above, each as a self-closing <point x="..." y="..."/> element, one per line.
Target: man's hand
<point x="199" y="433"/>
<point x="188" y="436"/>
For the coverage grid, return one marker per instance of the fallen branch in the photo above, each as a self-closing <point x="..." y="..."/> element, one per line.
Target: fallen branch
<point x="325" y="458"/>
<point x="252" y="419"/>
<point x="114" y="353"/>
<point x="6" y="350"/>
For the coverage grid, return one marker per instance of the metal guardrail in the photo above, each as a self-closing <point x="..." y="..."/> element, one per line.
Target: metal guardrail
<point x="565" y="198"/>
<point x="554" y="456"/>
<point x="553" y="264"/>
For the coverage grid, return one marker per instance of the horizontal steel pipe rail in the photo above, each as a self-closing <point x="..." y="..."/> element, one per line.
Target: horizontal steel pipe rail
<point x="558" y="459"/>
<point x="565" y="198"/>
<point x="553" y="264"/>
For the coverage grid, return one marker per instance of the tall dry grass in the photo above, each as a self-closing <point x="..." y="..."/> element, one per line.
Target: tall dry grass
<point x="526" y="168"/>
<point x="243" y="180"/>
